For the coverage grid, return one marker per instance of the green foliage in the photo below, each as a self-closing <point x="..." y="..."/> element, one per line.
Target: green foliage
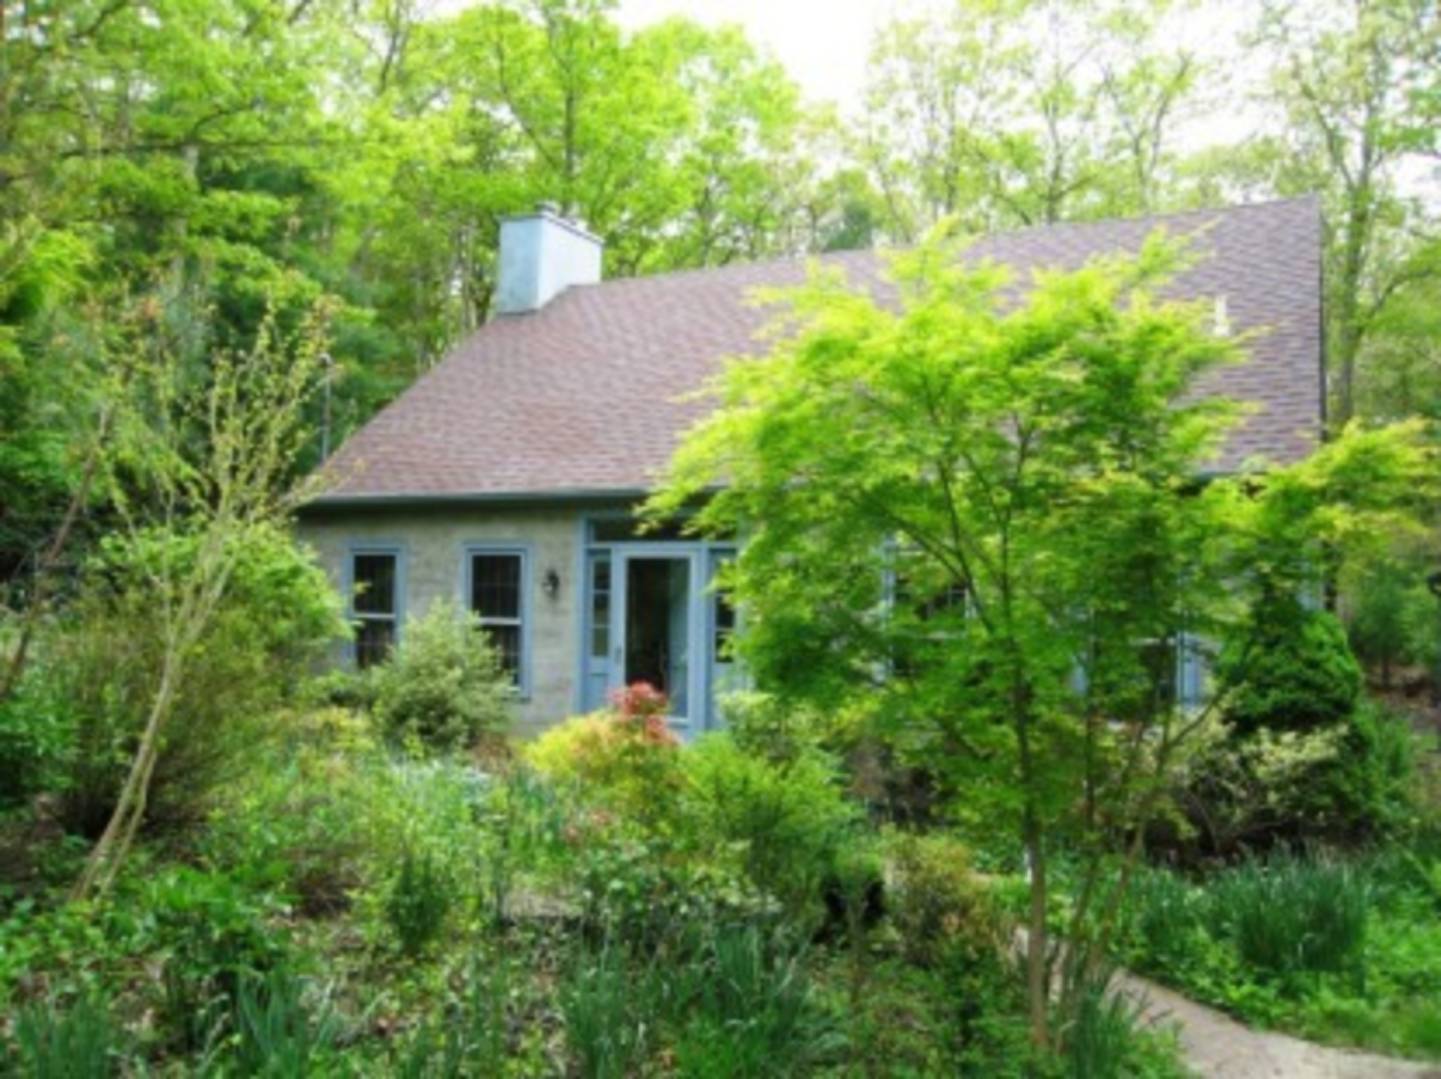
<point x="753" y="1013"/>
<point x="1293" y="915"/>
<point x="1391" y="614"/>
<point x="470" y="1035"/>
<point x="97" y="671"/>
<point x="213" y="937"/>
<point x="279" y="1034"/>
<point x="36" y="735"/>
<point x="1288" y="668"/>
<point x="76" y="1042"/>
<point x="1105" y="1040"/>
<point x="421" y="898"/>
<point x="442" y="687"/>
<point x="627" y="763"/>
<point x="1354" y="781"/>
<point x="941" y="908"/>
<point x="605" y="1025"/>
<point x="785" y="822"/>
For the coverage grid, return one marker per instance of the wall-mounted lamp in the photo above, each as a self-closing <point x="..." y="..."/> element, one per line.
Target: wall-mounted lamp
<point x="551" y="584"/>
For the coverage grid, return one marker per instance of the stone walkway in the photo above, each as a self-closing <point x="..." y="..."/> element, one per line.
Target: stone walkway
<point x="1218" y="1047"/>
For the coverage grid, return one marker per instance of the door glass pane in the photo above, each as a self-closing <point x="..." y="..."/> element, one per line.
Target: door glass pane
<point x="374" y="580"/>
<point x="495" y="585"/>
<point x="657" y="627"/>
<point x="599" y="605"/>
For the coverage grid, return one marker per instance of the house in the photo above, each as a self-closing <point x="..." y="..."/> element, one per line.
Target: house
<point x="505" y="476"/>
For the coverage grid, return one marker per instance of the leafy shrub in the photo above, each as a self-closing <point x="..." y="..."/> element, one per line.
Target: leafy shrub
<point x="74" y="1043"/>
<point x="36" y="732"/>
<point x="784" y="821"/>
<point x="1289" y="669"/>
<point x="635" y="891"/>
<point x="1348" y="782"/>
<point x="213" y="937"/>
<point x="1391" y="614"/>
<point x="624" y="757"/>
<point x="443" y="686"/>
<point x="1375" y="775"/>
<point x="420" y="900"/>
<point x="300" y="824"/>
<point x="941" y="907"/>
<point x="1290" y="915"/>
<point x="97" y="670"/>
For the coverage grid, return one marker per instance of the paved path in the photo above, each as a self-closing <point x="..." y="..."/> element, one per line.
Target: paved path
<point x="1218" y="1047"/>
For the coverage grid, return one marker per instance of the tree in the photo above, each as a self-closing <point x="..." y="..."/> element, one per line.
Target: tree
<point x="1018" y="112"/>
<point x="978" y="524"/>
<point x="1357" y="88"/>
<point x="248" y="426"/>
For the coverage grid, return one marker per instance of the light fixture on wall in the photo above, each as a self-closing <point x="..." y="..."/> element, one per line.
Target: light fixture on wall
<point x="551" y="584"/>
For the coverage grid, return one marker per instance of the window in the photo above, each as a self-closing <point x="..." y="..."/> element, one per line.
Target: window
<point x="374" y="604"/>
<point x="497" y="596"/>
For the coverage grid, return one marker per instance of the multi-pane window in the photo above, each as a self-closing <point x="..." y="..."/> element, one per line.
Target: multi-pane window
<point x="497" y="597"/>
<point x="374" y="604"/>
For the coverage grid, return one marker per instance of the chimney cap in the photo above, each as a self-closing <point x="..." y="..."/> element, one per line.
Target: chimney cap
<point x="548" y="206"/>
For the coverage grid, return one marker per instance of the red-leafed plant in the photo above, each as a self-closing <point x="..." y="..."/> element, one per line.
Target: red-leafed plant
<point x="642" y="709"/>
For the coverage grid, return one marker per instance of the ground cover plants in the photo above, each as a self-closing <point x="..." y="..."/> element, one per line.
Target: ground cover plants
<point x="358" y="904"/>
<point x="1344" y="949"/>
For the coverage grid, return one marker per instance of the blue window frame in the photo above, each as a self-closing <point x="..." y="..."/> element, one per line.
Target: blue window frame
<point x="498" y="590"/>
<point x="375" y="594"/>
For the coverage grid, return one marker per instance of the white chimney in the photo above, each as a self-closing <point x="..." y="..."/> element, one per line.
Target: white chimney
<point x="541" y="255"/>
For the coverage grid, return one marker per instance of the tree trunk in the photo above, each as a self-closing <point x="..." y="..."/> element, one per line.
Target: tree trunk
<point x="104" y="860"/>
<point x="1037" y="990"/>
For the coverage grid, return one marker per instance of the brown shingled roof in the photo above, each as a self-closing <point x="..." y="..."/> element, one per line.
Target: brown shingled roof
<point x="583" y="396"/>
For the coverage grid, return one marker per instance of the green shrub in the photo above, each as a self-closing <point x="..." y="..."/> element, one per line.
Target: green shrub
<point x="211" y="935"/>
<point x="442" y="687"/>
<point x="623" y="757"/>
<point x="1374" y="780"/>
<point x="301" y="823"/>
<point x="1289" y="669"/>
<point x="940" y="906"/>
<point x="96" y="671"/>
<point x="420" y="901"/>
<point x="784" y="821"/>
<point x="1352" y="781"/>
<point x="1291" y="915"/>
<point x="1391" y="614"/>
<point x="1164" y="915"/>
<point x="36" y="733"/>
<point x="74" y="1043"/>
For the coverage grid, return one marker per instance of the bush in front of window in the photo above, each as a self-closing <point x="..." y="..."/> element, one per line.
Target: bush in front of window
<point x="443" y="687"/>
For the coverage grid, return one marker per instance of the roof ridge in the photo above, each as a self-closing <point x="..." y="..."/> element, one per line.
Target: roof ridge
<point x="880" y="249"/>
